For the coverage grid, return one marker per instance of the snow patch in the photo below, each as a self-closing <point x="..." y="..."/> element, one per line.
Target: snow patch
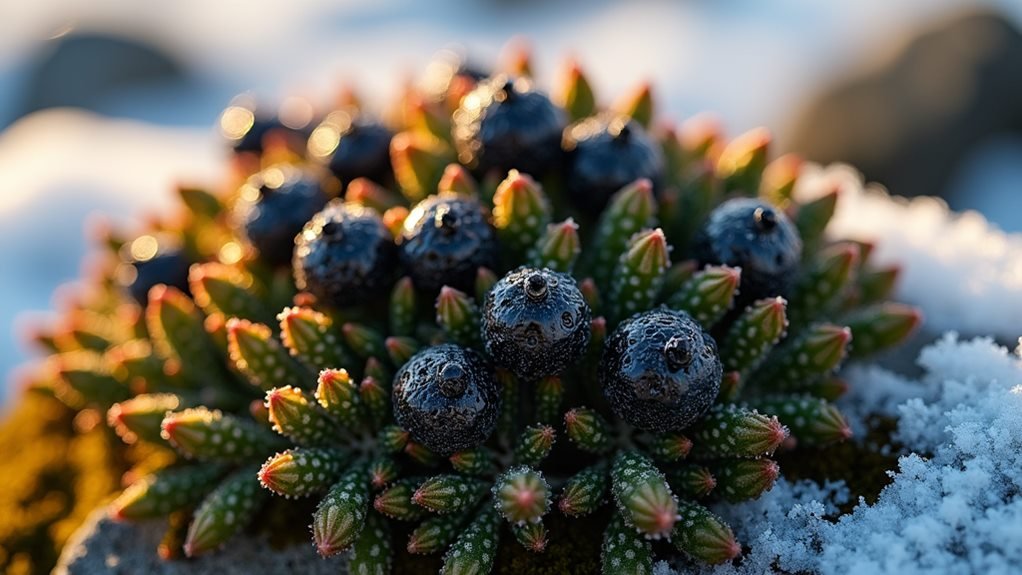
<point x="965" y="273"/>
<point x="955" y="504"/>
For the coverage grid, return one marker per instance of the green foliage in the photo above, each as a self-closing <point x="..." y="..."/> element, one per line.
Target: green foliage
<point x="219" y="383"/>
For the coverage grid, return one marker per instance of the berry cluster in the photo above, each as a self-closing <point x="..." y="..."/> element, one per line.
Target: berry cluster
<point x="490" y="271"/>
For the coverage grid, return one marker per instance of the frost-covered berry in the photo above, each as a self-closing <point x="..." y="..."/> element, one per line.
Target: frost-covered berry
<point x="604" y="154"/>
<point x="504" y="124"/>
<point x="249" y="131"/>
<point x="447" y="398"/>
<point x="535" y="322"/>
<point x="272" y="207"/>
<point x="445" y="240"/>
<point x="353" y="147"/>
<point x="344" y="255"/>
<point x="660" y="370"/>
<point x="757" y="237"/>
<point x="150" y="261"/>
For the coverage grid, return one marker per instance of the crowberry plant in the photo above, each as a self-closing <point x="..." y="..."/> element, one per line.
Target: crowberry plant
<point x="490" y="327"/>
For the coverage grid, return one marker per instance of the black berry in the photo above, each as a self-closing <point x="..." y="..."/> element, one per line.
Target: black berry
<point x="604" y="154"/>
<point x="445" y="239"/>
<point x="535" y="323"/>
<point x="504" y="124"/>
<point x="447" y="398"/>
<point x="247" y="128"/>
<point x="757" y="237"/>
<point x="272" y="208"/>
<point x="353" y="147"/>
<point x="149" y="262"/>
<point x="345" y="255"/>
<point x="660" y="370"/>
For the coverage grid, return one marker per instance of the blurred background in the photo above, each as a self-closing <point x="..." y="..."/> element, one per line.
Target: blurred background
<point x="105" y="105"/>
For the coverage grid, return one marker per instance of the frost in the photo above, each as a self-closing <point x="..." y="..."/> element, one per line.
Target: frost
<point x="955" y="504"/>
<point x="964" y="273"/>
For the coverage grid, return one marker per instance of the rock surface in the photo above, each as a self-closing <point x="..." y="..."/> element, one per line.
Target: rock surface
<point x="92" y="70"/>
<point x="104" y="546"/>
<point x="911" y="120"/>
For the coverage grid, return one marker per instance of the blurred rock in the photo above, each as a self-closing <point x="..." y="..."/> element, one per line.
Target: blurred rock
<point x="104" y="546"/>
<point x="910" y="122"/>
<point x="82" y="70"/>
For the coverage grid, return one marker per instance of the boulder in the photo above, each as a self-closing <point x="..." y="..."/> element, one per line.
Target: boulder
<point x="912" y="119"/>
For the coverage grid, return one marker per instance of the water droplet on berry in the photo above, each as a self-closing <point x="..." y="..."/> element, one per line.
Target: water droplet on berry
<point x="446" y="220"/>
<point x="678" y="353"/>
<point x="453" y="380"/>
<point x="536" y="286"/>
<point x="766" y="219"/>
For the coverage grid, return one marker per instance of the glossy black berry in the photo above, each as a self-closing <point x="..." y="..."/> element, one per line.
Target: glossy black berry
<point x="757" y="237"/>
<point x="604" y="154"/>
<point x="504" y="124"/>
<point x="447" y="398"/>
<point x="252" y="140"/>
<point x="247" y="128"/>
<point x="148" y="262"/>
<point x="445" y="239"/>
<point x="353" y="147"/>
<point x="535" y="323"/>
<point x="345" y="255"/>
<point x="272" y="208"/>
<point x="660" y="370"/>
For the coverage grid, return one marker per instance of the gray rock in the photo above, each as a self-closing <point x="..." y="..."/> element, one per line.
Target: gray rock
<point x="910" y="121"/>
<point x="104" y="546"/>
<point x="84" y="69"/>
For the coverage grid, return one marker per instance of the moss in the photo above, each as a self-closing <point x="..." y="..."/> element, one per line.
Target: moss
<point x="405" y="562"/>
<point x="860" y="463"/>
<point x="57" y="467"/>
<point x="573" y="548"/>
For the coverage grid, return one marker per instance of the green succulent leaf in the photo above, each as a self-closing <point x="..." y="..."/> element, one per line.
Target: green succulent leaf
<point x="642" y="495"/>
<point x="211" y="435"/>
<point x="371" y="554"/>
<point x="625" y="550"/>
<point x="585" y="491"/>
<point x="302" y="471"/>
<point x="734" y="431"/>
<point x="225" y="512"/>
<point x="310" y="337"/>
<point x="475" y="549"/>
<point x="631" y="210"/>
<point x="703" y="536"/>
<point x="341" y="516"/>
<point x="165" y="491"/>
<point x="263" y="360"/>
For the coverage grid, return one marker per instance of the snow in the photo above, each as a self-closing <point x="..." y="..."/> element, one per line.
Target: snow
<point x="63" y="166"/>
<point x="781" y="51"/>
<point x="955" y="503"/>
<point x="964" y="273"/>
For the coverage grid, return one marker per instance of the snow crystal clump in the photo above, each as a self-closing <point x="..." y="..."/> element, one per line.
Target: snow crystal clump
<point x="954" y="505"/>
<point x="873" y="390"/>
<point x="965" y="273"/>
